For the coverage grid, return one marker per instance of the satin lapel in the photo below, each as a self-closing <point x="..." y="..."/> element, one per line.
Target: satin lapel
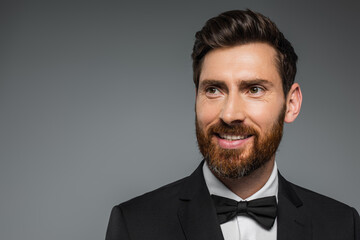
<point x="293" y="223"/>
<point x="196" y="213"/>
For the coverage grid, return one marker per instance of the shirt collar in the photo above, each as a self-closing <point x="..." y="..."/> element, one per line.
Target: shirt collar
<point x="216" y="187"/>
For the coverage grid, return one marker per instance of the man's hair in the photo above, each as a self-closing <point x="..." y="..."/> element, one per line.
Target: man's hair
<point x="241" y="27"/>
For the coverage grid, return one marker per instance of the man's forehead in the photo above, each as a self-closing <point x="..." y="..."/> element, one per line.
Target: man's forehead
<point x="247" y="62"/>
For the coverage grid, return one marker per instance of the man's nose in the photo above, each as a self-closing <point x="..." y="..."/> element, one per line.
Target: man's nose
<point x="233" y="111"/>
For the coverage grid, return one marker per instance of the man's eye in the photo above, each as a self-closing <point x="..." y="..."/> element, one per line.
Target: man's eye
<point x="212" y="90"/>
<point x="255" y="90"/>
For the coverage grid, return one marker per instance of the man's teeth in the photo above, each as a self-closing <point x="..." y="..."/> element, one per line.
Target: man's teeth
<point x="232" y="137"/>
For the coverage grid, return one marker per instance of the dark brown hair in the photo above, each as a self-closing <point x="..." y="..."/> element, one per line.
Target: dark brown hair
<point x="240" y="27"/>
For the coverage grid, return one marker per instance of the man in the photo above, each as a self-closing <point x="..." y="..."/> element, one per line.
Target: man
<point x="244" y="71"/>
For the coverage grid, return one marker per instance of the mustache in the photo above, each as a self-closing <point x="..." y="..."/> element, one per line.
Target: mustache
<point x="239" y="129"/>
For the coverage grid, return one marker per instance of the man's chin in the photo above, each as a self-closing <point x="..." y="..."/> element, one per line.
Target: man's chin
<point x="232" y="167"/>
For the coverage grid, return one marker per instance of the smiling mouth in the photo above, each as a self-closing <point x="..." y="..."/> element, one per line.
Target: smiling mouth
<point x="231" y="137"/>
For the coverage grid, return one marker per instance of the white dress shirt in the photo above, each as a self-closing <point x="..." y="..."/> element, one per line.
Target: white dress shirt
<point x="243" y="227"/>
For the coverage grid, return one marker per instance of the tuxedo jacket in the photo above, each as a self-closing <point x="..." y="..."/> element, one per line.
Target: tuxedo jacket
<point x="184" y="210"/>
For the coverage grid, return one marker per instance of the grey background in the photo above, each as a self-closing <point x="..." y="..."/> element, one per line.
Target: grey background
<point x="97" y="105"/>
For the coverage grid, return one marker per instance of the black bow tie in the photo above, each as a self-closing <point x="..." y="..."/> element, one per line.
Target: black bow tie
<point x="262" y="210"/>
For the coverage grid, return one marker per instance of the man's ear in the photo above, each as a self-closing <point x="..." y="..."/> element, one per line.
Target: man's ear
<point x="293" y="103"/>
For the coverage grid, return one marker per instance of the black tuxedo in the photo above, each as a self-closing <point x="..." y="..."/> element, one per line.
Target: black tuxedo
<point x="184" y="210"/>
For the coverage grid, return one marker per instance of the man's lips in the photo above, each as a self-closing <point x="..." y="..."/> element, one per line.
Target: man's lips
<point x="230" y="141"/>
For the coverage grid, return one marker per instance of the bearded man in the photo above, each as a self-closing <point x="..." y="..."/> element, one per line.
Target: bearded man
<point x="244" y="71"/>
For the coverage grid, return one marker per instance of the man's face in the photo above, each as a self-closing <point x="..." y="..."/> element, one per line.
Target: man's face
<point x="240" y="109"/>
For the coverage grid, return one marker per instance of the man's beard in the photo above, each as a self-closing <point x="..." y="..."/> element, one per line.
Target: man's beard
<point x="231" y="163"/>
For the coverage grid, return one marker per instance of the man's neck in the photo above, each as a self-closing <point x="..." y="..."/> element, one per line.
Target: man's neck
<point x="246" y="186"/>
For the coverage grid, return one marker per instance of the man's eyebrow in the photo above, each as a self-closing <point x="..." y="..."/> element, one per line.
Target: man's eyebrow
<point x="210" y="82"/>
<point x="242" y="84"/>
<point x="247" y="83"/>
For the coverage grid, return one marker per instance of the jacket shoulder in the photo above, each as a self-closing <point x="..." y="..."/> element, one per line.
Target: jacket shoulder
<point x="323" y="212"/>
<point x="151" y="214"/>
<point x="318" y="200"/>
<point x="326" y="212"/>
